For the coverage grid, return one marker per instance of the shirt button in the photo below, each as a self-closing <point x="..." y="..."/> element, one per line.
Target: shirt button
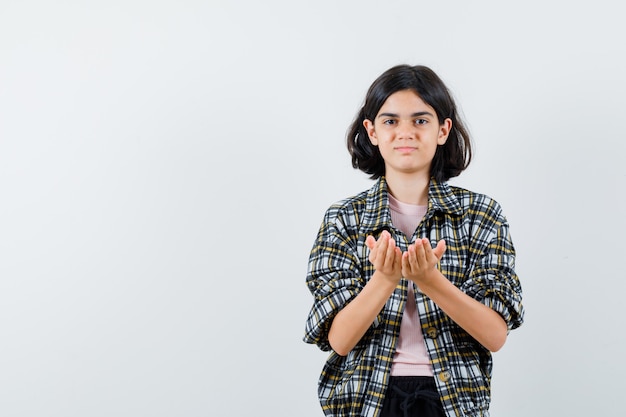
<point x="444" y="376"/>
<point x="431" y="332"/>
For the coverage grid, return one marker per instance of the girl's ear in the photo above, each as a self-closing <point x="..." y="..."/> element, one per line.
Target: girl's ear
<point x="444" y="131"/>
<point x="369" y="128"/>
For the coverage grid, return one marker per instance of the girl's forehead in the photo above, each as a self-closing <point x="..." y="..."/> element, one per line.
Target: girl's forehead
<point x="404" y="99"/>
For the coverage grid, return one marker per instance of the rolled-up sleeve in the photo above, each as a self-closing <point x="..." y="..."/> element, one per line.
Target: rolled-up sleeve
<point x="493" y="280"/>
<point x="333" y="277"/>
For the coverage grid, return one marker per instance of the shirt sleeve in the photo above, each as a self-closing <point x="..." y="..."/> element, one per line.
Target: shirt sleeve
<point x="493" y="280"/>
<point x="333" y="277"/>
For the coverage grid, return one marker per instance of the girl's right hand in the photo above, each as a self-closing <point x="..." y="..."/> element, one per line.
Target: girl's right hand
<point x="385" y="256"/>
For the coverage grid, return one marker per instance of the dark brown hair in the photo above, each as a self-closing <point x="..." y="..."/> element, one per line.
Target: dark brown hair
<point x="450" y="158"/>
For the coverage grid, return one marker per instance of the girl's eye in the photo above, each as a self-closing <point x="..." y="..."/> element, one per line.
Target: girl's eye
<point x="421" y="121"/>
<point x="389" y="121"/>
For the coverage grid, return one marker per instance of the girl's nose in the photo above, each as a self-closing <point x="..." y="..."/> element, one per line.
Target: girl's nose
<point x="406" y="129"/>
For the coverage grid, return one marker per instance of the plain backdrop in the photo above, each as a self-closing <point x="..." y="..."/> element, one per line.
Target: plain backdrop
<point x="165" y="166"/>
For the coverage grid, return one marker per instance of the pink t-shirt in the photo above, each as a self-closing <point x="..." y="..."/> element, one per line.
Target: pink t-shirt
<point x="410" y="358"/>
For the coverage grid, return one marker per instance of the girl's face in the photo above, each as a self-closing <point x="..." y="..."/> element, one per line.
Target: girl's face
<point x="407" y="132"/>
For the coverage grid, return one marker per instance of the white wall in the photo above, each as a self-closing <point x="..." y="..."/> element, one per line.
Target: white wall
<point x="164" y="166"/>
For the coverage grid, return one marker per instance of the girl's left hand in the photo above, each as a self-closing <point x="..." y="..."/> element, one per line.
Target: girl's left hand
<point x="420" y="260"/>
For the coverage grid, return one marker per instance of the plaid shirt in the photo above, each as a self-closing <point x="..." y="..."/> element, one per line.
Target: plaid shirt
<point x="479" y="259"/>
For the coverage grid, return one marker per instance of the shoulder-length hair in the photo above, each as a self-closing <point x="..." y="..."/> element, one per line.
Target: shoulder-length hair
<point x="450" y="159"/>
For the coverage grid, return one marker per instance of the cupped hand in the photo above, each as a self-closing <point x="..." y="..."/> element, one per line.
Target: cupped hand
<point x="421" y="259"/>
<point x="385" y="256"/>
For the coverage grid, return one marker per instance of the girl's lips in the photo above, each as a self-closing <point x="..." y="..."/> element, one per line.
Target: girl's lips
<point x="405" y="149"/>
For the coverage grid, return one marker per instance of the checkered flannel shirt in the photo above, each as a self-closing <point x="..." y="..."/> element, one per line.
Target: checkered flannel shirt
<point x="479" y="259"/>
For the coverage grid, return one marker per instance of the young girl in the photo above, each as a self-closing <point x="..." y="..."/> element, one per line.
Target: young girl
<point x="413" y="280"/>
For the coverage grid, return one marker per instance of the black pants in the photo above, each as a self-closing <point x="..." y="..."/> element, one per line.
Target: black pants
<point x="414" y="396"/>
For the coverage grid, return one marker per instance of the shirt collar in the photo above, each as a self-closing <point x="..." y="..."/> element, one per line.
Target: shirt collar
<point x="377" y="215"/>
<point x="442" y="199"/>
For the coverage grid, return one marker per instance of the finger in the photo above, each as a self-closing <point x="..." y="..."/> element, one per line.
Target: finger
<point x="398" y="258"/>
<point x="429" y="253"/>
<point x="406" y="267"/>
<point x="428" y="249"/>
<point x="408" y="260"/>
<point x="420" y="254"/>
<point x="382" y="243"/>
<point x="413" y="261"/>
<point x="440" y="249"/>
<point x="375" y="247"/>
<point x="390" y="252"/>
<point x="379" y="252"/>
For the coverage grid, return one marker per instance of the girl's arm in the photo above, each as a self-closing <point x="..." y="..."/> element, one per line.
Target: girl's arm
<point x="351" y="323"/>
<point x="481" y="322"/>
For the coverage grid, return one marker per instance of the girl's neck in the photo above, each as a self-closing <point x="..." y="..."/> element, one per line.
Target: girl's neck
<point x="409" y="189"/>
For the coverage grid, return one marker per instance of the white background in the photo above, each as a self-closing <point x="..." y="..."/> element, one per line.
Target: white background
<point x="165" y="165"/>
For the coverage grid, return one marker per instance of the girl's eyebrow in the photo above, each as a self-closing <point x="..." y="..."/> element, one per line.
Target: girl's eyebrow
<point x="418" y="114"/>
